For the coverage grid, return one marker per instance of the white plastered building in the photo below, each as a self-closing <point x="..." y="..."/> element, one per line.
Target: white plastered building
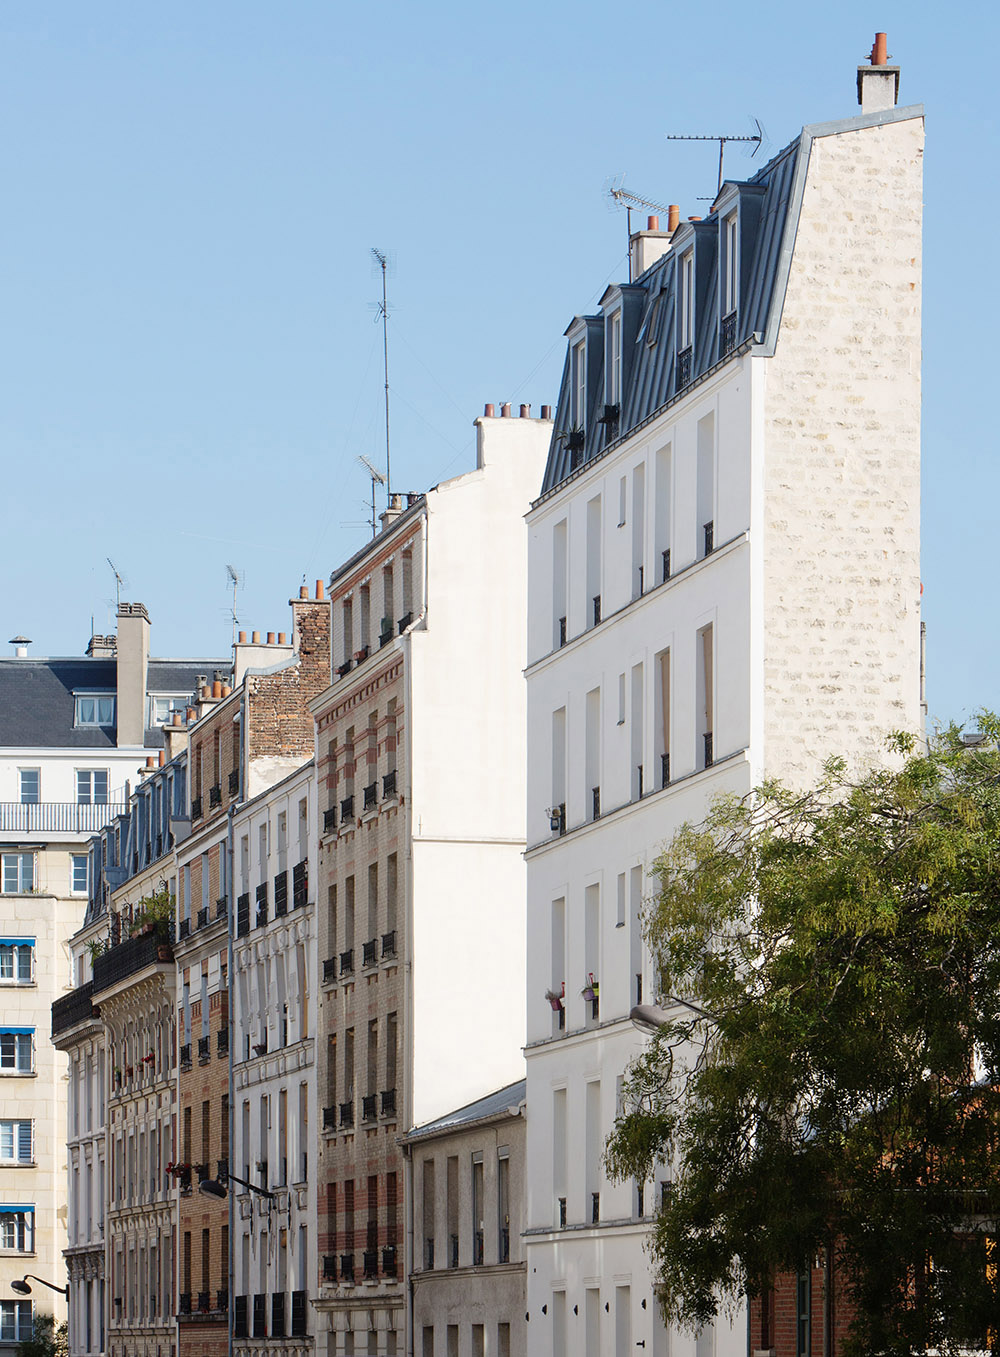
<point x="723" y="585"/>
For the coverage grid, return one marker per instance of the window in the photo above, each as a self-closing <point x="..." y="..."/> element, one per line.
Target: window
<point x="18" y="873"/>
<point x="686" y="302"/>
<point x="17" y="1050"/>
<point x="78" y="873"/>
<point x="17" y="1228"/>
<point x="91" y="786"/>
<point x="161" y="709"/>
<point x="579" y="380"/>
<point x="95" y="709"/>
<point x="16" y="960"/>
<point x="16" y="1142"/>
<point x="731" y="266"/>
<point x="15" y="1321"/>
<point x="614" y="359"/>
<point x="29" y="785"/>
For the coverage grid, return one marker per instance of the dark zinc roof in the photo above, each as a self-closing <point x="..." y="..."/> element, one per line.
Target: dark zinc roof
<point x="492" y="1105"/>
<point x="649" y="369"/>
<point x="36" y="698"/>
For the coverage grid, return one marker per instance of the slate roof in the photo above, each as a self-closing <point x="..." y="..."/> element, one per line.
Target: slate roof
<point x="649" y="372"/>
<point x="492" y="1105"/>
<point x="36" y="698"/>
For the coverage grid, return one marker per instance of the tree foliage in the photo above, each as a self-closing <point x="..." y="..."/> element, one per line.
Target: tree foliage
<point x="48" y="1339"/>
<point x="834" y="1081"/>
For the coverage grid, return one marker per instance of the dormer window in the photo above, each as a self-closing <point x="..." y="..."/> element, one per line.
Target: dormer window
<point x="614" y="358"/>
<point x="94" y="709"/>
<point x="579" y="380"/>
<point x="685" y="318"/>
<point x="730" y="299"/>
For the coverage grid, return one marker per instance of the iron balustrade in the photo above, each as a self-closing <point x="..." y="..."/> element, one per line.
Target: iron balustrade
<point x="262" y="904"/>
<point x="562" y="631"/>
<point x="204" y="1301"/>
<point x="684" y="367"/>
<point x="453" y="1250"/>
<point x="370" y="1260"/>
<point x="329" y="1118"/>
<point x="73" y="1008"/>
<point x="595" y="1207"/>
<point x="222" y="1298"/>
<point x="223" y="1168"/>
<point x="329" y="970"/>
<point x="240" y="1317"/>
<point x="368" y="1105"/>
<point x="370" y="796"/>
<point x="203" y="916"/>
<point x="57" y="817"/>
<point x="369" y="953"/>
<point x="389" y="943"/>
<point x="665" y="558"/>
<point x="361" y="655"/>
<point x="709" y="530"/>
<point x="221" y="907"/>
<point x="185" y="1056"/>
<point x="404" y="622"/>
<point x="389" y="1260"/>
<point x="388" y="1102"/>
<point x="299" y="1312"/>
<point x="204" y="1053"/>
<point x="347" y="1113"/>
<point x="215" y="796"/>
<point x="242" y="915"/>
<point x="477" y="1248"/>
<point x="595" y="802"/>
<point x="347" y="962"/>
<point x="638" y="770"/>
<point x="343" y="669"/>
<point x="329" y="819"/>
<point x="664" y="769"/>
<point x="300" y="884"/>
<point x="727" y="334"/>
<point x="709" y="749"/>
<point x="347" y="1267"/>
<point x="196" y="808"/>
<point x="389" y="785"/>
<point x="234" y="782"/>
<point x="329" y="1267"/>
<point x="280" y="894"/>
<point x="504" y="1253"/>
<point x="597" y="610"/>
<point x="260" y="1316"/>
<point x="184" y="1303"/>
<point x="184" y="928"/>
<point x="429" y="1254"/>
<point x="384" y="637"/>
<point x="562" y="1213"/>
<point x="130" y="956"/>
<point x="278" y="1314"/>
<point x="346" y="808"/>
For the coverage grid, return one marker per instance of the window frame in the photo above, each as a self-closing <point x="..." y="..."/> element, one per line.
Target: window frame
<point x="21" y="856"/>
<point x="18" y="1312"/>
<point x="79" y="774"/>
<point x="15" y="1159"/>
<point x="75" y="858"/>
<point x="16" y="1068"/>
<point x="175" y="702"/>
<point x="21" y="1222"/>
<point x="17" y="947"/>
<point x="613" y="356"/>
<point x="97" y="696"/>
<point x="730" y="300"/>
<point x="685" y="299"/>
<point x="578" y="383"/>
<point x="29" y="800"/>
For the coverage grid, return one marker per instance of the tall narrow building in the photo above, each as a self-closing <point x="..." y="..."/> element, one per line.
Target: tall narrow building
<point x="420" y="760"/>
<point x="723" y="585"/>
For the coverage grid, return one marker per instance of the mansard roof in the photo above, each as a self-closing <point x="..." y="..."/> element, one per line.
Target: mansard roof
<point x="651" y="375"/>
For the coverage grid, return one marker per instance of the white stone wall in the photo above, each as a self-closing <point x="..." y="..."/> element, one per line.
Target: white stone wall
<point x="841" y="458"/>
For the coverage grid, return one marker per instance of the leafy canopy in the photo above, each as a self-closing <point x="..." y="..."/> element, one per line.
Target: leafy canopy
<point x="48" y="1339"/>
<point x="835" y="1081"/>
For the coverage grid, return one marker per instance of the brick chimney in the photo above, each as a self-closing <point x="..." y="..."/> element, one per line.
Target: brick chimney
<point x="311" y="638"/>
<point x="133" y="664"/>
<point x="646" y="247"/>
<point x="878" y="82"/>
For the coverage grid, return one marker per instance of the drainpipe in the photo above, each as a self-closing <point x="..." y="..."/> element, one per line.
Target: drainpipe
<point x="230" y="1148"/>
<point x="408" y="1243"/>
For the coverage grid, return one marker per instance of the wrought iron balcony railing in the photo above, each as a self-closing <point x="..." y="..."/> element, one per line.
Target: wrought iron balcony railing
<point x="56" y="817"/>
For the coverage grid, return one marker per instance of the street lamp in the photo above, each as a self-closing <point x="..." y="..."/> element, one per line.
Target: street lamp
<point x="23" y="1289"/>
<point x="651" y="1017"/>
<point x="219" y="1187"/>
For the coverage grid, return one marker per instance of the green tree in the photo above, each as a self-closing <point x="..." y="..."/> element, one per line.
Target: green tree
<point x="48" y="1339"/>
<point x="833" y="1082"/>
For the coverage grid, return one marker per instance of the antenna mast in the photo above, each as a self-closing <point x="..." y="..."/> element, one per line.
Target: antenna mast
<point x="377" y="479"/>
<point x="382" y="261"/>
<point x="236" y="579"/>
<point x="119" y="582"/>
<point x="623" y="197"/>
<point x="757" y="137"/>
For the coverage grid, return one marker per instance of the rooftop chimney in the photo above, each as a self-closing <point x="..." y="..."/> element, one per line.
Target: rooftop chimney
<point x="646" y="247"/>
<point x="133" y="665"/>
<point x="878" y="82"/>
<point x="387" y="518"/>
<point x="20" y="644"/>
<point x="101" y="647"/>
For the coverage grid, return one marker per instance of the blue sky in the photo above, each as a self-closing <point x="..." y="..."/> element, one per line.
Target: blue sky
<point x="191" y="192"/>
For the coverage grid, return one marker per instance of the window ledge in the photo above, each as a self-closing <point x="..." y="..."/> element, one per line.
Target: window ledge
<point x="18" y="1074"/>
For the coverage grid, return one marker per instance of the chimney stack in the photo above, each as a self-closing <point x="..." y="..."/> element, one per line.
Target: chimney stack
<point x="133" y="667"/>
<point x="20" y="644"/>
<point x="878" y="82"/>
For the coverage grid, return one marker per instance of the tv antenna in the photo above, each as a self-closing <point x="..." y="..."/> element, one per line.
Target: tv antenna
<point x="757" y="137"/>
<point x="620" y="196"/>
<point x="382" y="262"/>
<point x="237" y="578"/>
<point x="120" y="582"/>
<point x="377" y="479"/>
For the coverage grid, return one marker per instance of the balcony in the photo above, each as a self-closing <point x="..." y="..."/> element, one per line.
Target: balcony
<point x="370" y="1257"/>
<point x="369" y="953"/>
<point x="130" y="957"/>
<point x="368" y="1107"/>
<point x="330" y="820"/>
<point x="346" y="809"/>
<point x="389" y="1260"/>
<point x="262" y="904"/>
<point x="347" y="1267"/>
<point x="343" y="669"/>
<point x="203" y="917"/>
<point x="222" y="1041"/>
<point x="504" y="1255"/>
<point x="300" y="884"/>
<point x="684" y="368"/>
<point x="709" y="532"/>
<point x="185" y="1056"/>
<point x="215" y="796"/>
<point x="595" y="803"/>
<point x="665" y="556"/>
<point x="196" y="808"/>
<point x="404" y="622"/>
<point x="347" y="1114"/>
<point x="240" y="1317"/>
<point x="56" y="817"/>
<point x="204" y="1302"/>
<point x="260" y="1316"/>
<point x="562" y="632"/>
<point x="709" y="748"/>
<point x="385" y="635"/>
<point x="477" y="1248"/>
<point x="389" y="943"/>
<point x="280" y="894"/>
<point x="204" y="1050"/>
<point x="347" y="962"/>
<point x="664" y="770"/>
<point x="184" y="928"/>
<point x="361" y="655"/>
<point x="222" y="1299"/>
<point x="388" y="1102"/>
<point x="234" y="782"/>
<point x="242" y="916"/>
<point x="389" y="785"/>
<point x="329" y="1267"/>
<point x="184" y="1303"/>
<point x="329" y="1118"/>
<point x="330" y="970"/>
<point x="596" y="601"/>
<point x="370" y="796"/>
<point x="727" y="334"/>
<point x="73" y="1008"/>
<point x="453" y="1250"/>
<point x="221" y="907"/>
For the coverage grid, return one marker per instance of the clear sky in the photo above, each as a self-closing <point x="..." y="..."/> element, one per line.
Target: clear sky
<point x="189" y="362"/>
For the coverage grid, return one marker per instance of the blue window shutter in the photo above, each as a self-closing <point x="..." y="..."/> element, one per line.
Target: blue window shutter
<point x="24" y="1141"/>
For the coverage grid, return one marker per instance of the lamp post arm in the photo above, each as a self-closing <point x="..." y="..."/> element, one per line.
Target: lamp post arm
<point x="251" y="1186"/>
<point x="63" y="1290"/>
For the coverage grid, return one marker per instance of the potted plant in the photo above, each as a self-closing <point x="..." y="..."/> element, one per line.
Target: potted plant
<point x="591" y="989"/>
<point x="555" y="1000"/>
